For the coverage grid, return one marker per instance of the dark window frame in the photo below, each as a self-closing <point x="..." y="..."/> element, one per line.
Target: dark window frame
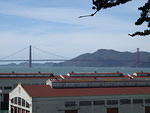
<point x="71" y="111"/>
<point x="23" y="103"/>
<point x="12" y="100"/>
<point x="125" y="101"/>
<point x="7" y="87"/>
<point x="70" y="103"/>
<point x="147" y="101"/>
<point x="19" y="100"/>
<point x="137" y="101"/>
<point x="99" y="102"/>
<point x="15" y="100"/>
<point x="112" y="102"/>
<point x="85" y="103"/>
<point x="27" y="105"/>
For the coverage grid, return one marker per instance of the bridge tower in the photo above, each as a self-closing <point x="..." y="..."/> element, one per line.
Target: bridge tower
<point x="30" y="56"/>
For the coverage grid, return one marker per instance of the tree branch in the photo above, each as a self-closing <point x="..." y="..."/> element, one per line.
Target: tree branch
<point x="88" y="15"/>
<point x="144" y="33"/>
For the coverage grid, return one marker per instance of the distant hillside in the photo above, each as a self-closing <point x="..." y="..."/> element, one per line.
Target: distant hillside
<point x="108" y="58"/>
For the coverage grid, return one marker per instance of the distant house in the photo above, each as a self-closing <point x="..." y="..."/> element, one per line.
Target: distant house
<point x="45" y="99"/>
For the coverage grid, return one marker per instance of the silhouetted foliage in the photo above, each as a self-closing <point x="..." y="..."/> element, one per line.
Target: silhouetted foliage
<point x="144" y="17"/>
<point x="103" y="4"/>
<point x="144" y="33"/>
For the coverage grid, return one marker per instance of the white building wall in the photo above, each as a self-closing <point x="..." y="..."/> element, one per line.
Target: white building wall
<point x="12" y="82"/>
<point x="20" y="92"/>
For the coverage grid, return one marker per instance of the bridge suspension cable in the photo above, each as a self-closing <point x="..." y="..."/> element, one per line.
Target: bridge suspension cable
<point x="5" y="59"/>
<point x="49" y="53"/>
<point x="13" y="54"/>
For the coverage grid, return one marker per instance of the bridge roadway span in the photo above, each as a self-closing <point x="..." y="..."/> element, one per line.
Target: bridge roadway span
<point x="34" y="60"/>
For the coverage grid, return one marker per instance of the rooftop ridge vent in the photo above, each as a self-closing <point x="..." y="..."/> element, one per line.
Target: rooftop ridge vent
<point x="93" y="84"/>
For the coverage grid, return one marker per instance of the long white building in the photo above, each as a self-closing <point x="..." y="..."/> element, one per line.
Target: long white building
<point x="44" y="99"/>
<point x="80" y="94"/>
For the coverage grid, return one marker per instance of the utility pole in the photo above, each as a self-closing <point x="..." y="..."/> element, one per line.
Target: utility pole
<point x="138" y="57"/>
<point x="30" y="56"/>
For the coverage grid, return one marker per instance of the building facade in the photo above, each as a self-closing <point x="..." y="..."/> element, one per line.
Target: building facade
<point x="84" y="93"/>
<point x="44" y="99"/>
<point x="8" y="81"/>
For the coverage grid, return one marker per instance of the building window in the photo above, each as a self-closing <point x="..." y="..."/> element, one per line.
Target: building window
<point x="19" y="100"/>
<point x="112" y="110"/>
<point x="112" y="102"/>
<point x="27" y="111"/>
<point x="7" y="87"/>
<point x="6" y="97"/>
<point x="100" y="102"/>
<point x="23" y="102"/>
<point x="71" y="111"/>
<point x="125" y="101"/>
<point x="12" y="100"/>
<point x="85" y="103"/>
<point x="70" y="104"/>
<point x="137" y="101"/>
<point x="15" y="100"/>
<point x="27" y="105"/>
<point x="147" y="109"/>
<point x="147" y="101"/>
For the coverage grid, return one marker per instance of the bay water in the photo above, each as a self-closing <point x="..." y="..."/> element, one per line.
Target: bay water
<point x="65" y="70"/>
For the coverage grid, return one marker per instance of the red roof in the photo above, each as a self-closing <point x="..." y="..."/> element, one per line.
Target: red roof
<point x="14" y="75"/>
<point x="94" y="76"/>
<point x="28" y="77"/>
<point x="73" y="73"/>
<point x="47" y="91"/>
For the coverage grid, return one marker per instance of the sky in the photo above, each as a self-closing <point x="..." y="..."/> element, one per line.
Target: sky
<point x="53" y="26"/>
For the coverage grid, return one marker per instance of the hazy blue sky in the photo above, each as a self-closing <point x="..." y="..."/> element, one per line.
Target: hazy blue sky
<point x="54" y="26"/>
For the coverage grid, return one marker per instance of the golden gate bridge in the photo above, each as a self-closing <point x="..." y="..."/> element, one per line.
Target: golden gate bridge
<point x="30" y="60"/>
<point x="61" y="58"/>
